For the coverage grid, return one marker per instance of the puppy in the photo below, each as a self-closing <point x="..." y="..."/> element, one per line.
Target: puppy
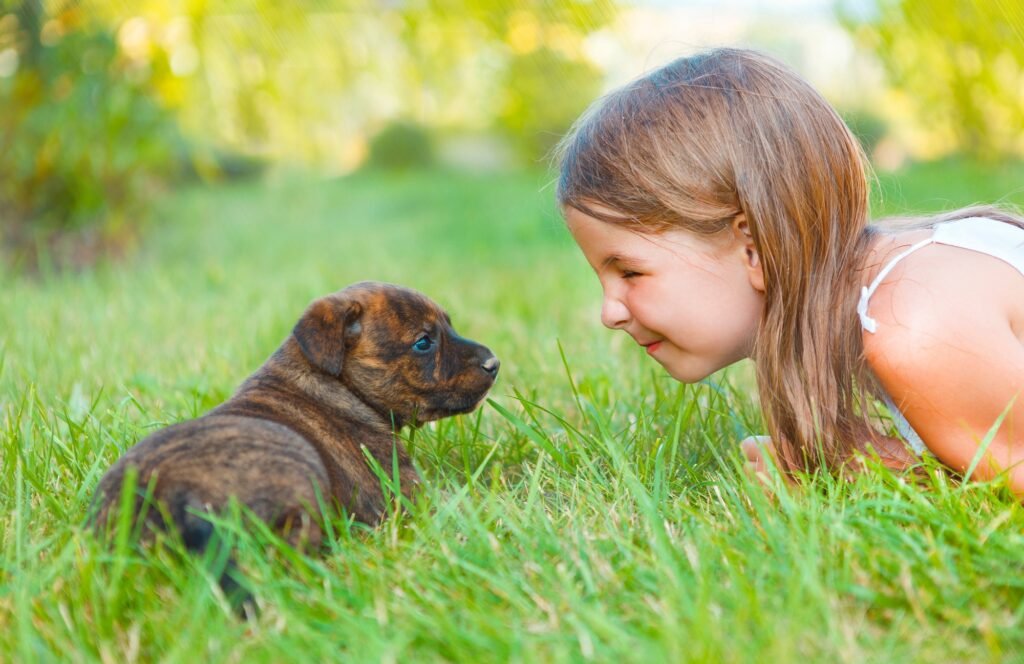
<point x="359" y="365"/>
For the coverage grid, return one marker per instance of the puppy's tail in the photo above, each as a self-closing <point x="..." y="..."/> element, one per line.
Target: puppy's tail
<point x="201" y="537"/>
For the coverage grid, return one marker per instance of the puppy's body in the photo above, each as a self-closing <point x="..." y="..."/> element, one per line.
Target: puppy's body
<point x="359" y="365"/>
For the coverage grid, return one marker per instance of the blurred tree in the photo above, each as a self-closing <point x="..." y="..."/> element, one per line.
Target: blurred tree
<point x="30" y="14"/>
<point x="960" y="64"/>
<point x="535" y="114"/>
<point x="401" y="146"/>
<point x="83" y="141"/>
<point x="867" y="126"/>
<point x="519" y="66"/>
<point x="100" y="99"/>
<point x="312" y="81"/>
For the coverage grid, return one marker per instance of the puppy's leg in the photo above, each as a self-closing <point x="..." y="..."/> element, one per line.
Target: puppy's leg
<point x="201" y="537"/>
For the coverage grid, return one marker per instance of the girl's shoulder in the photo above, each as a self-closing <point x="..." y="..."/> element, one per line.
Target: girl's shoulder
<point x="934" y="284"/>
<point x="948" y="339"/>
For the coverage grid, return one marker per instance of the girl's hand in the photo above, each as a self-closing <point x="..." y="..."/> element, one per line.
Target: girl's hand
<point x="758" y="449"/>
<point x="755" y="449"/>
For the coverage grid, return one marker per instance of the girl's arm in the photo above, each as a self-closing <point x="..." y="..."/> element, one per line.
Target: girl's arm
<point x="947" y="352"/>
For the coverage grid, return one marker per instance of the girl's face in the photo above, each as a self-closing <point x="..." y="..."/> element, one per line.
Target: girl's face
<point x="694" y="303"/>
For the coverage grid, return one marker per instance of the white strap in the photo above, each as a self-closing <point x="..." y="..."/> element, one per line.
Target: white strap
<point x="903" y="426"/>
<point x="869" y="323"/>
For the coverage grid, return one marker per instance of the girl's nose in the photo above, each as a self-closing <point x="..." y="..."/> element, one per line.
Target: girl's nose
<point x="614" y="314"/>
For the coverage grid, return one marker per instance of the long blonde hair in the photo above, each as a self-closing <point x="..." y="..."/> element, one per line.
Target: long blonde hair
<point x="729" y="131"/>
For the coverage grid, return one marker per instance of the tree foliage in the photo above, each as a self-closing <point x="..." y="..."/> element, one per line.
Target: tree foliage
<point x="959" y="62"/>
<point x="313" y="81"/>
<point x="83" y="138"/>
<point x="100" y="99"/>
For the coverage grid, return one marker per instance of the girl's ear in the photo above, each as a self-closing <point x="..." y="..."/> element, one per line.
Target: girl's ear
<point x="752" y="259"/>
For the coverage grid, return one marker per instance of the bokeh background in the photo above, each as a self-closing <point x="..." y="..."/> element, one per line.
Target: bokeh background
<point x="106" y="105"/>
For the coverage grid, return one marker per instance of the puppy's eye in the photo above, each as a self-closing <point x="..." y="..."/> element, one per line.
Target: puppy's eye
<point x="423" y="344"/>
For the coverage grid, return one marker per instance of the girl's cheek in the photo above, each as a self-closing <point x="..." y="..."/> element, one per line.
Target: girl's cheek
<point x="634" y="292"/>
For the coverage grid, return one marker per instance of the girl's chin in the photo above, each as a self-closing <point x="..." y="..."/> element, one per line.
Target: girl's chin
<point x="685" y="373"/>
<point x="687" y="378"/>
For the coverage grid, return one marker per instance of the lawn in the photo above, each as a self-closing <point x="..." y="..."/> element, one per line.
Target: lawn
<point x="594" y="510"/>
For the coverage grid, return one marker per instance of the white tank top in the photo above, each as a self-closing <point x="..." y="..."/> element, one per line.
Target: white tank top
<point x="988" y="236"/>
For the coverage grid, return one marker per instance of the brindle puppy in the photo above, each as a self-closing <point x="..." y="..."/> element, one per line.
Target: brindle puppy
<point x="359" y="365"/>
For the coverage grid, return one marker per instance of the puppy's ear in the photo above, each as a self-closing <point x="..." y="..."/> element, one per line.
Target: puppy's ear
<point x="324" y="329"/>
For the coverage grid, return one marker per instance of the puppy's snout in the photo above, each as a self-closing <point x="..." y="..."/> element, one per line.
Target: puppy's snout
<point x="490" y="365"/>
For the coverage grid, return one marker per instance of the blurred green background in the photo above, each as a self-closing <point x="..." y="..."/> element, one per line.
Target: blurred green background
<point x="106" y="105"/>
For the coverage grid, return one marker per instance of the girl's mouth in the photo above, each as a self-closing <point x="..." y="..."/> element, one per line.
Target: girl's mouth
<point x="653" y="347"/>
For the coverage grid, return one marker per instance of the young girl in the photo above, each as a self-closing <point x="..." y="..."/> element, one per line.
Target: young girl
<point x="723" y="205"/>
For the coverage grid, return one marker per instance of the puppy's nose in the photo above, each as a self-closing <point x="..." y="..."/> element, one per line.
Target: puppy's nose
<point x="491" y="365"/>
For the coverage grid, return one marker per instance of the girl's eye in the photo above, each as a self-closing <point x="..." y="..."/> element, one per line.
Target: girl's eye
<point x="629" y="274"/>
<point x="423" y="344"/>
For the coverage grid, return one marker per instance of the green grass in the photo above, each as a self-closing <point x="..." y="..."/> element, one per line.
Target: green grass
<point x="593" y="511"/>
<point x="949" y="184"/>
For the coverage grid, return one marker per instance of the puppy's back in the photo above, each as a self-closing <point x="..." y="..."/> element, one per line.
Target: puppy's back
<point x="198" y="465"/>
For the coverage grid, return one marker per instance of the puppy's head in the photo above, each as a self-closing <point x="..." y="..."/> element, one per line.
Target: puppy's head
<point x="396" y="350"/>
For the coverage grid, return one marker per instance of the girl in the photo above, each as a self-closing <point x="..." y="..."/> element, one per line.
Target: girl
<point x="723" y="205"/>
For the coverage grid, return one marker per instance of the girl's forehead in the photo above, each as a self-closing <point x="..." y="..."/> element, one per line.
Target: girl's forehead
<point x="607" y="220"/>
<point x="589" y="230"/>
<point x="604" y="242"/>
<point x="597" y="212"/>
<point x="582" y="223"/>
